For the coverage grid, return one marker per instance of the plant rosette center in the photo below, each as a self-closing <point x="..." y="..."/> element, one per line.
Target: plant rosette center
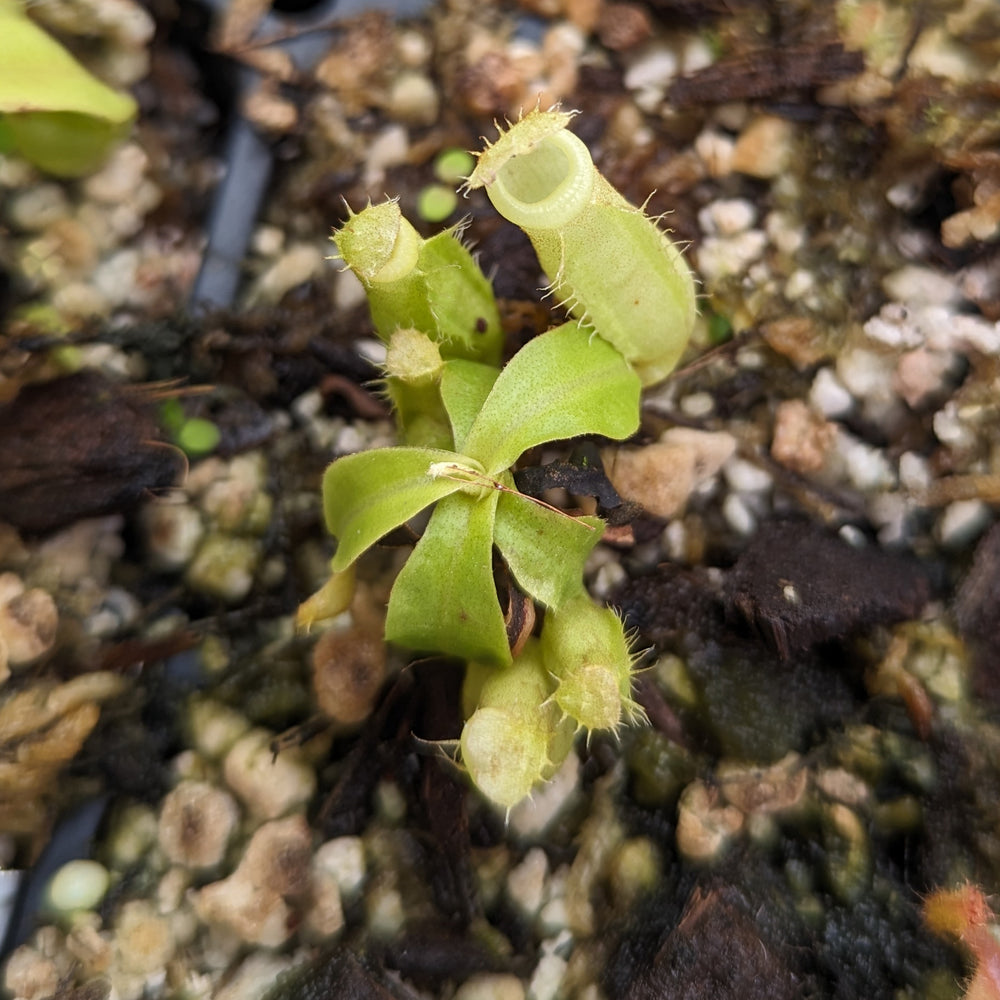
<point x="563" y="384"/>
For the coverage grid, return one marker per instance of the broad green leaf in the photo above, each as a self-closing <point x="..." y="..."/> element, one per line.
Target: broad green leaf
<point x="55" y="113"/>
<point x="368" y="494"/>
<point x="464" y="388"/>
<point x="562" y="384"/>
<point x="544" y="549"/>
<point x="444" y="599"/>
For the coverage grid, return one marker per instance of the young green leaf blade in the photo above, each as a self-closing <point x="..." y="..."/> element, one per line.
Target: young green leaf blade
<point x="368" y="494"/>
<point x="562" y="384"/>
<point x="444" y="599"/>
<point x="545" y="550"/>
<point x="461" y="298"/>
<point x="464" y="388"/>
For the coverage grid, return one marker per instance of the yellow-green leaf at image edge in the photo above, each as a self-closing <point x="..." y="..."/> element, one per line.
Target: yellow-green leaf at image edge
<point x="53" y="112"/>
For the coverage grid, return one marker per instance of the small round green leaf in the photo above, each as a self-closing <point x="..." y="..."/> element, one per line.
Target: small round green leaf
<point x="436" y="202"/>
<point x="197" y="437"/>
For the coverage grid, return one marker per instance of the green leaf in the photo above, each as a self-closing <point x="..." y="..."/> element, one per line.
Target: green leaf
<point x="198" y="436"/>
<point x="368" y="494"/>
<point x="464" y="388"/>
<point x="63" y="143"/>
<point x="562" y="384"/>
<point x="444" y="599"/>
<point x="55" y="113"/>
<point x="461" y="298"/>
<point x="420" y="416"/>
<point x="544" y="549"/>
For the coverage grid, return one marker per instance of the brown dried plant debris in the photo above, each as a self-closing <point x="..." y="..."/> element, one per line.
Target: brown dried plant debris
<point x="76" y="447"/>
<point x="42" y="727"/>
<point x="767" y="73"/>
<point x="799" y="586"/>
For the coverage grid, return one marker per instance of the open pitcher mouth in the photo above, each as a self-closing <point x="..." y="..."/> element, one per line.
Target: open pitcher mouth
<point x="547" y="185"/>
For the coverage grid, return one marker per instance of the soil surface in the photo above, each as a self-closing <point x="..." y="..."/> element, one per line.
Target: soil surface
<point x="806" y="545"/>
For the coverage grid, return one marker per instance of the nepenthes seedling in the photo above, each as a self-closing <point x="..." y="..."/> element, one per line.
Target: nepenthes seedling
<point x="465" y="424"/>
